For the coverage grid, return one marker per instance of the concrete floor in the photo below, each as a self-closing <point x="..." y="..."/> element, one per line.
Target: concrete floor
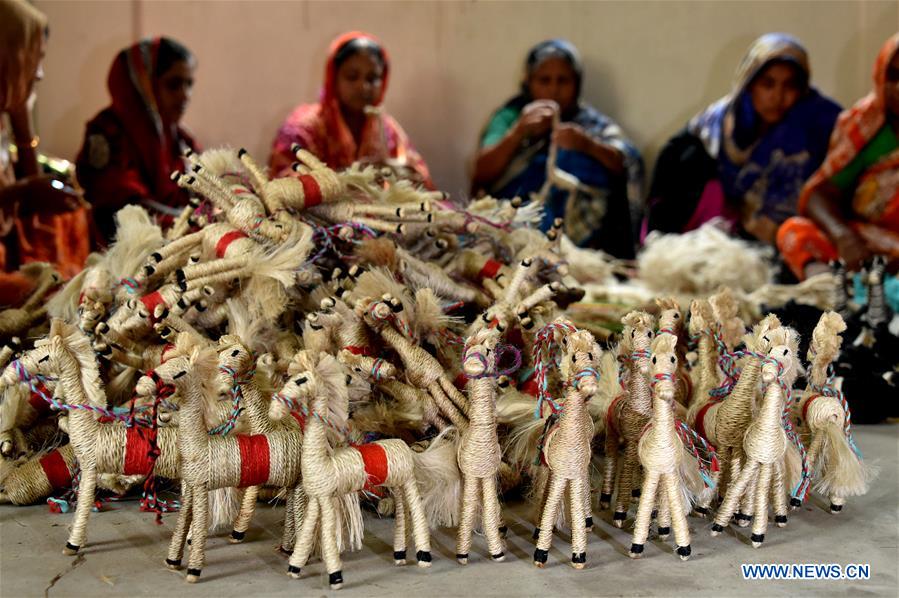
<point x="126" y="549"/>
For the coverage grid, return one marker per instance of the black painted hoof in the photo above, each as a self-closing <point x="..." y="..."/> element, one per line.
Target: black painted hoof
<point x="578" y="559"/>
<point x="780" y="520"/>
<point x="536" y="533"/>
<point x="664" y="532"/>
<point x="540" y="557"/>
<point x="498" y="557"/>
<point x="156" y="256"/>
<point x="635" y="493"/>
<point x="605" y="499"/>
<point x="503" y="531"/>
<point x="588" y="523"/>
<point x="399" y="557"/>
<point x="335" y="580"/>
<point x="618" y="518"/>
<point x="241" y="152"/>
<point x="193" y="575"/>
<point x="717" y="529"/>
<point x="757" y="539"/>
<point x="293" y="571"/>
<point x="636" y="551"/>
<point x="684" y="552"/>
<point x="701" y="511"/>
<point x="149" y="270"/>
<point x="461" y="558"/>
<point x="795" y="503"/>
<point x="835" y="508"/>
<point x="423" y="556"/>
<point x="238" y="536"/>
<point x="742" y="517"/>
<point x="70" y="549"/>
<point x="173" y="563"/>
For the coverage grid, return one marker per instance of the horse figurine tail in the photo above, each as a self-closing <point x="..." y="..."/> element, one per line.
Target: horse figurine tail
<point x="439" y="479"/>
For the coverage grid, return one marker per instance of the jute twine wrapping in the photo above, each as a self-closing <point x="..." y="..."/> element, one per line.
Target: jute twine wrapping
<point x="28" y="483"/>
<point x="479" y="452"/>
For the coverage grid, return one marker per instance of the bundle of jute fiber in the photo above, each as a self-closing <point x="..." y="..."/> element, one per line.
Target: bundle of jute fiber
<point x="823" y="415"/>
<point x="566" y="445"/>
<point x="700" y="261"/>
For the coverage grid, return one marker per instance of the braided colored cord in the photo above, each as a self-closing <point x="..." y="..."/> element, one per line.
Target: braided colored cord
<point x="545" y="354"/>
<point x="376" y="368"/>
<point x="830" y="390"/>
<point x="324" y="236"/>
<point x="150" y="501"/>
<point x="670" y="331"/>
<point x="801" y="489"/>
<point x="35" y="383"/>
<point x="130" y="284"/>
<point x="236" y="398"/>
<point x="469" y="217"/>
<point x="303" y="410"/>
<point x="392" y="318"/>
<point x="588" y="372"/>
<point x="498" y="354"/>
<point x="450" y="337"/>
<point x="691" y="438"/>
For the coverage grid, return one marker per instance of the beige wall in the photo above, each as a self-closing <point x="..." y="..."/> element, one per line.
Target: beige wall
<point x="649" y="65"/>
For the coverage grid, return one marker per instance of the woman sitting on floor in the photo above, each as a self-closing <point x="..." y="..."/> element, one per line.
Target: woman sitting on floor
<point x="347" y="125"/>
<point x="131" y="147"/>
<point x="515" y="150"/>
<point x="850" y="207"/>
<point x="41" y="219"/>
<point x="747" y="156"/>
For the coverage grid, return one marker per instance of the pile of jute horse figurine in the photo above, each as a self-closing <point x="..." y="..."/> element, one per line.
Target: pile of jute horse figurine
<point x="345" y="338"/>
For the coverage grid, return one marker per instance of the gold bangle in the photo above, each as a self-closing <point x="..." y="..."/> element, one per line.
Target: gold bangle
<point x="35" y="141"/>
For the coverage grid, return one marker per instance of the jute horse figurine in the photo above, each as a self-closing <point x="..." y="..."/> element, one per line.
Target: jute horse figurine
<point x="211" y="462"/>
<point x="825" y="419"/>
<point x="628" y="416"/>
<point x="661" y="452"/>
<point x="99" y="447"/>
<point x="723" y="421"/>
<point x="332" y="472"/>
<point x="765" y="441"/>
<point x="479" y="450"/>
<point x="567" y="447"/>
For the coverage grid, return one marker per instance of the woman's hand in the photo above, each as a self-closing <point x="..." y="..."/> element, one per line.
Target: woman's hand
<point x="536" y="118"/>
<point x="852" y="250"/>
<point x="41" y="194"/>
<point x="569" y="136"/>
